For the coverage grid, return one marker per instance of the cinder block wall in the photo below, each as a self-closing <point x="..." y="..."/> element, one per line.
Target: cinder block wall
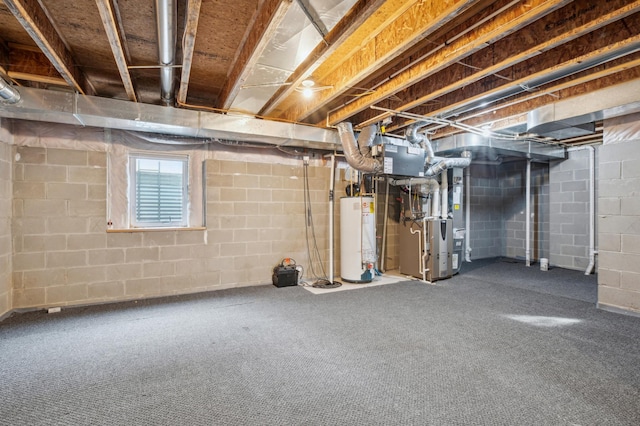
<point x="486" y="212"/>
<point x="5" y="223"/>
<point x="63" y="254"/>
<point x="512" y="176"/>
<point x="619" y="215"/>
<point x="569" y="208"/>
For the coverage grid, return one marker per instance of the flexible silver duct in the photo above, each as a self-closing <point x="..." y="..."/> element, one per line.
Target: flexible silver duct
<point x="413" y="137"/>
<point x="431" y="183"/>
<point x="8" y="93"/>
<point x="447" y="163"/>
<point x="166" y="19"/>
<point x="365" y="140"/>
<point x="352" y="153"/>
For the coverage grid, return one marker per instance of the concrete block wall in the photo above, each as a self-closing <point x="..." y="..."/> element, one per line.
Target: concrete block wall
<point x="512" y="177"/>
<point x="256" y="217"/>
<point x="486" y="212"/>
<point x="569" y="208"/>
<point x="618" y="218"/>
<point x="63" y="254"/>
<point x="6" y="195"/>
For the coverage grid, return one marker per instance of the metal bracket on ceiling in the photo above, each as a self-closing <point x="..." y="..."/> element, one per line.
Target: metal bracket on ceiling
<point x="314" y="17"/>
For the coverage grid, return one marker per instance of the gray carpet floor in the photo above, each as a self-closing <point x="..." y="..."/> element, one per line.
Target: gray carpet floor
<point x="499" y="344"/>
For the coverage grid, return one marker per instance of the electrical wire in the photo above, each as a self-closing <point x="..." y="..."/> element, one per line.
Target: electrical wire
<point x="313" y="253"/>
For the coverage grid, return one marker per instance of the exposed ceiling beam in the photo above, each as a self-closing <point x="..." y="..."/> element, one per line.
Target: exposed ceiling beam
<point x="188" y="45"/>
<point x="34" y="20"/>
<point x="515" y="18"/>
<point x="531" y="72"/>
<point x="531" y="41"/>
<point x="267" y="19"/>
<point x="4" y="58"/>
<point x="30" y="64"/>
<point x="381" y="44"/>
<point x="338" y="35"/>
<point x="111" y="27"/>
<point x="515" y="112"/>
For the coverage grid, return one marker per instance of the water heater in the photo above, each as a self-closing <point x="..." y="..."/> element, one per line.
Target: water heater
<point x="357" y="239"/>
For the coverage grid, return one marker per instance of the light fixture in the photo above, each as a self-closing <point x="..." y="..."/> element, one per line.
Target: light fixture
<point x="308" y="87"/>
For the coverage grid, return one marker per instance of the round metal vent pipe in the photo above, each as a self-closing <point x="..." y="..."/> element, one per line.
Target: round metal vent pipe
<point x="8" y="93"/>
<point x="167" y="27"/>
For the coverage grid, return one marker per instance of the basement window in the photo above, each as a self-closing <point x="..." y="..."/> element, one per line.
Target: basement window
<point x="158" y="187"/>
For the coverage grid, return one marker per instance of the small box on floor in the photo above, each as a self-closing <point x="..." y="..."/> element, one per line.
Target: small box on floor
<point x="285" y="276"/>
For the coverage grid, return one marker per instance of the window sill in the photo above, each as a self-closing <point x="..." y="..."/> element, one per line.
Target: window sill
<point x="129" y="230"/>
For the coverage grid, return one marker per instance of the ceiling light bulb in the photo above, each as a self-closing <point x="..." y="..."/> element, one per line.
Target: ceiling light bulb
<point x="307" y="92"/>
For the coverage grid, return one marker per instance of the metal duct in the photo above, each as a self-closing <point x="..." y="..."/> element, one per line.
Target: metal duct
<point x="429" y="182"/>
<point x="167" y="27"/>
<point x="8" y="93"/>
<point x="413" y="137"/>
<point x="365" y="139"/>
<point x="579" y="112"/>
<point x="486" y="147"/>
<point x="447" y="163"/>
<point x="352" y="153"/>
<point x="75" y="109"/>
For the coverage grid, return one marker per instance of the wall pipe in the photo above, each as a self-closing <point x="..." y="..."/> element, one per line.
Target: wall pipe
<point x="444" y="194"/>
<point x="167" y="27"/>
<point x="467" y="202"/>
<point x="383" y="248"/>
<point x="332" y="185"/>
<point x="592" y="213"/>
<point x="528" y="216"/>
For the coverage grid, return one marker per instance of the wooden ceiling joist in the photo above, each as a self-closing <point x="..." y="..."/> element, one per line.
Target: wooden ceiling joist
<point x="528" y="100"/>
<point x="529" y="71"/>
<point x="340" y="72"/>
<point x="515" y="112"/>
<point x="111" y="27"/>
<point x="30" y="64"/>
<point x="4" y="58"/>
<point x="338" y="35"/>
<point x="515" y="18"/>
<point x="268" y="17"/>
<point x="35" y="21"/>
<point x="188" y="45"/>
<point x="507" y="52"/>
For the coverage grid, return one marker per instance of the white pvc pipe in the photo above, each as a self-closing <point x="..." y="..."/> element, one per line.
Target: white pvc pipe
<point x="444" y="194"/>
<point x="423" y="254"/>
<point x="527" y="243"/>
<point x="383" y="249"/>
<point x="592" y="215"/>
<point x="467" y="202"/>
<point x="435" y="202"/>
<point x="331" y="226"/>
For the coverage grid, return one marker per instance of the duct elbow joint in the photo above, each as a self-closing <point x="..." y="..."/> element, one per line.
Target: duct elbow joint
<point x="8" y="93"/>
